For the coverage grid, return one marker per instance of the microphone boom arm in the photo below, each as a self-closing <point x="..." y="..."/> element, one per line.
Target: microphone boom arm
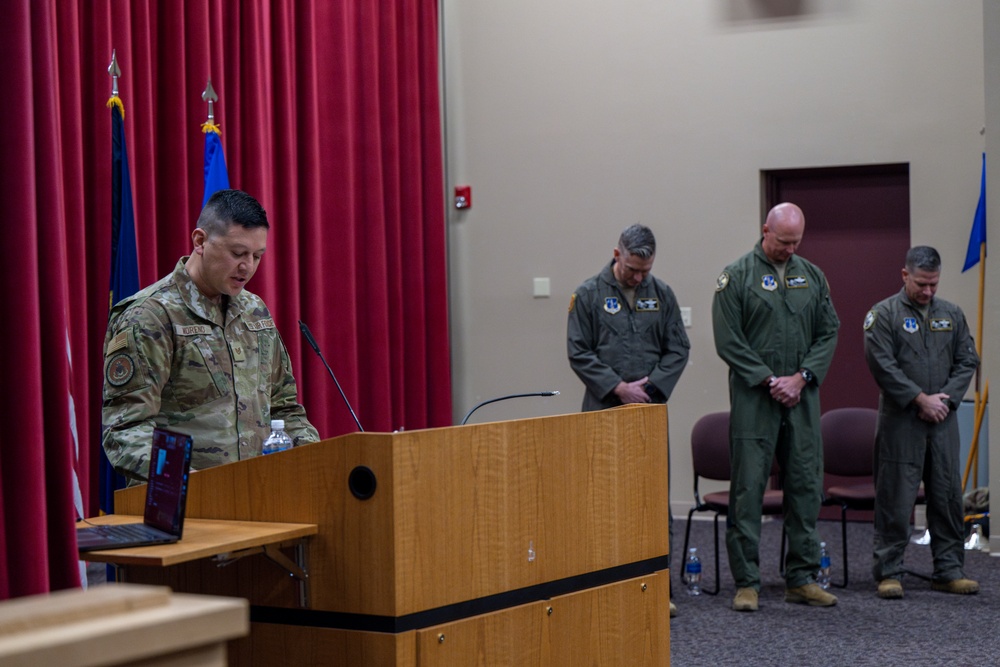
<point x="504" y="398"/>
<point x="315" y="347"/>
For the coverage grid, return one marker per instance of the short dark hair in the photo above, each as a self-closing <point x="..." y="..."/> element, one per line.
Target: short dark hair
<point x="923" y="257"/>
<point x="637" y="240"/>
<point x="231" y="207"/>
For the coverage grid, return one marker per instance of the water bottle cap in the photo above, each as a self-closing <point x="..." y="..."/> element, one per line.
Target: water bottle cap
<point x="277" y="424"/>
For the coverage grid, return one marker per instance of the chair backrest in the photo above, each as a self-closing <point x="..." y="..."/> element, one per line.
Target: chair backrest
<point x="849" y="441"/>
<point x="710" y="446"/>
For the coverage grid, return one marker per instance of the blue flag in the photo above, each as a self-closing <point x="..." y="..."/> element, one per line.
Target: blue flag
<point x="124" y="263"/>
<point x="978" y="235"/>
<point x="216" y="176"/>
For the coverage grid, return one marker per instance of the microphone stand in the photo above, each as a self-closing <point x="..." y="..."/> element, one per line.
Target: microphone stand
<point x="504" y="398"/>
<point x="315" y="347"/>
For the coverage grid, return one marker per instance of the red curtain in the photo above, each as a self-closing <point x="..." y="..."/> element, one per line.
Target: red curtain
<point x="330" y="117"/>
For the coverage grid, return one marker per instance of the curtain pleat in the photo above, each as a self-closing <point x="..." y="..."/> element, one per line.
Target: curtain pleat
<point x="330" y="117"/>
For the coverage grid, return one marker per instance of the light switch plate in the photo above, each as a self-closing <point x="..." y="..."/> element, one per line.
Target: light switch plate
<point x="542" y="288"/>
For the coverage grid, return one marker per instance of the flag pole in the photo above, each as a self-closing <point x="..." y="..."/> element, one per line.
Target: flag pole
<point x="980" y="404"/>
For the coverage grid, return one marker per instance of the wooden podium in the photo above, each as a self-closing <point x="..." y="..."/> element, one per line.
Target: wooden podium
<point x="532" y="542"/>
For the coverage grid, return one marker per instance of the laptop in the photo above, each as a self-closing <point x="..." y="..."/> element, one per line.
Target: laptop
<point x="166" y="498"/>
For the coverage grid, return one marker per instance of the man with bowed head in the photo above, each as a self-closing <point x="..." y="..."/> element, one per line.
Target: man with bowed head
<point x="197" y="352"/>
<point x="625" y="337"/>
<point x="776" y="329"/>
<point x="921" y="353"/>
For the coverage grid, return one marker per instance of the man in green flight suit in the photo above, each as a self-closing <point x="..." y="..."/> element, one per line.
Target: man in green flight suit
<point x="196" y="352"/>
<point x="625" y="337"/>
<point x="776" y="328"/>
<point x="921" y="354"/>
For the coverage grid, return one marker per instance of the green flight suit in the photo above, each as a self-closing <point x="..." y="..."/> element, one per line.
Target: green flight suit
<point x="173" y="358"/>
<point x="608" y="342"/>
<point x="765" y="326"/>
<point x="908" y="354"/>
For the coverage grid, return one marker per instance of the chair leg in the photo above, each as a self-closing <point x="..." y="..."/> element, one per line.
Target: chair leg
<point x="781" y="553"/>
<point x="679" y="564"/>
<point x="718" y="583"/>
<point x="843" y="538"/>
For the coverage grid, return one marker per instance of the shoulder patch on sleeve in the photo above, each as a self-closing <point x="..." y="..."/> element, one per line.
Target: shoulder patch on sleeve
<point x="870" y="319"/>
<point x="124" y="367"/>
<point x="722" y="282"/>
<point x="572" y="302"/>
<point x="118" y="342"/>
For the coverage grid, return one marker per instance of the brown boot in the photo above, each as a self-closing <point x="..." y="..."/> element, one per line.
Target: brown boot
<point x="890" y="589"/>
<point x="810" y="594"/>
<point x="961" y="586"/>
<point x="745" y="600"/>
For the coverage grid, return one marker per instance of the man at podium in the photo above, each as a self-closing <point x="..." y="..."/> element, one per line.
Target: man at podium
<point x="198" y="352"/>
<point x="625" y="336"/>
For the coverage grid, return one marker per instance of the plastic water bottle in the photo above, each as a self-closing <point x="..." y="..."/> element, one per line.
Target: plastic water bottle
<point x="692" y="572"/>
<point x="278" y="441"/>
<point x="823" y="576"/>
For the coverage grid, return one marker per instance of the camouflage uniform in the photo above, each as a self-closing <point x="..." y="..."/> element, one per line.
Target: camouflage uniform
<point x="173" y="358"/>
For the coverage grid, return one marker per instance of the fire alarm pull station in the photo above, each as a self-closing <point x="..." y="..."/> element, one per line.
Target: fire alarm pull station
<point x="463" y="196"/>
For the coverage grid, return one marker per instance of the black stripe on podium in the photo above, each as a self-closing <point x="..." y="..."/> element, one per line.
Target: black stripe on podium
<point x="453" y="612"/>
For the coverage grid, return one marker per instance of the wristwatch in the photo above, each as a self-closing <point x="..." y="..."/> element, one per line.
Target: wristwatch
<point x="807" y="375"/>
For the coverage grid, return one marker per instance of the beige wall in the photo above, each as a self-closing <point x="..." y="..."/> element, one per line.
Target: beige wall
<point x="572" y="119"/>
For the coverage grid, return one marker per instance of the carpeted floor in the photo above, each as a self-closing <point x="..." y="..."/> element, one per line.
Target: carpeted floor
<point x="925" y="628"/>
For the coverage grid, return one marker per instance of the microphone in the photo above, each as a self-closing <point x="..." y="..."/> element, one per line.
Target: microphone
<point x="315" y="347"/>
<point x="504" y="398"/>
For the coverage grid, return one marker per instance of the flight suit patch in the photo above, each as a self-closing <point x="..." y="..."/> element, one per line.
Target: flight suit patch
<point x="870" y="319"/>
<point x="769" y="283"/>
<point x="572" y="302"/>
<point x="722" y="282"/>
<point x="796" y="282"/>
<point x="940" y="324"/>
<point x="647" y="305"/>
<point x="910" y="325"/>
<point x="612" y="305"/>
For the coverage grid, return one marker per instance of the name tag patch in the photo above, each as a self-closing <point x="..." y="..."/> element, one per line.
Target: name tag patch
<point x="192" y="330"/>
<point x="260" y="325"/>
<point x="647" y="305"/>
<point x="796" y="282"/>
<point x="940" y="324"/>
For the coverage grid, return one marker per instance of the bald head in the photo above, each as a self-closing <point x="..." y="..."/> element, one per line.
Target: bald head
<point x="783" y="231"/>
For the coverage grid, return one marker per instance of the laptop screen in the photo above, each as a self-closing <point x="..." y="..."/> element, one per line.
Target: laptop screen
<point x="169" y="465"/>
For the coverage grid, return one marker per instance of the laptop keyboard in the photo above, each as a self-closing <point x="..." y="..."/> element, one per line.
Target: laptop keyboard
<point x="128" y="532"/>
